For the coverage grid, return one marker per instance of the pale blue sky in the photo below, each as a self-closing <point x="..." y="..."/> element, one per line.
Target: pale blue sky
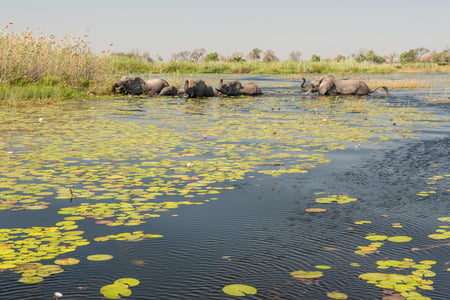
<point x="325" y="28"/>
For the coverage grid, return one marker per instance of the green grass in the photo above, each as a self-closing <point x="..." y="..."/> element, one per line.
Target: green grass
<point x="127" y="66"/>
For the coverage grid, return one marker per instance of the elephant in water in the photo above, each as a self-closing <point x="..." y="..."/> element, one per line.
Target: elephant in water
<point x="235" y="88"/>
<point x="330" y="86"/>
<point x="171" y="91"/>
<point x="132" y="85"/>
<point x="198" y="89"/>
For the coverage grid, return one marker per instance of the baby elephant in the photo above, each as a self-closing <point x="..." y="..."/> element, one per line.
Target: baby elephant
<point x="132" y="85"/>
<point x="198" y="89"/>
<point x="235" y="88"/>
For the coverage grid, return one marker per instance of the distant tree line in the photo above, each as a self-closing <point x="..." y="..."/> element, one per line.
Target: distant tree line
<point x="257" y="54"/>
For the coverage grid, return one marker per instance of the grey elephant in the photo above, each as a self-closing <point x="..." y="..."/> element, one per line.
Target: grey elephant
<point x="132" y="85"/>
<point x="330" y="86"/>
<point x="197" y="89"/>
<point x="236" y="88"/>
<point x="171" y="91"/>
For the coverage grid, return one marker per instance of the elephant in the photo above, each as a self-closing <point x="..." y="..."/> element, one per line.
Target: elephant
<point x="171" y="91"/>
<point x="132" y="85"/>
<point x="197" y="89"/>
<point x="235" y="88"/>
<point x="330" y="86"/>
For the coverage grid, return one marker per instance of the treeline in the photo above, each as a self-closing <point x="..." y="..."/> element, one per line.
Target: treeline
<point x="417" y="55"/>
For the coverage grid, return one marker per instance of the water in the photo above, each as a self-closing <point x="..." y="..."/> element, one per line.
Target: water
<point x="245" y="160"/>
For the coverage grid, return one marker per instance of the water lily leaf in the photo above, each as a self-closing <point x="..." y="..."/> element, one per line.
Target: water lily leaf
<point x="115" y="291"/>
<point x="337" y="295"/>
<point x="239" y="290"/>
<point x="127" y="281"/>
<point x="99" y="257"/>
<point x="30" y="279"/>
<point x="315" y="209"/>
<point x="374" y="276"/>
<point x="306" y="274"/>
<point x="376" y="237"/>
<point x="323" y="267"/>
<point x="67" y="261"/>
<point x="399" y="239"/>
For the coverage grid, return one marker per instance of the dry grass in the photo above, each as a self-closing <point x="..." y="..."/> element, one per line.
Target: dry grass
<point x="34" y="58"/>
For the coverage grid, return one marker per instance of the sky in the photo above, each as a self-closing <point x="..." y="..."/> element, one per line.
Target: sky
<point x="325" y="28"/>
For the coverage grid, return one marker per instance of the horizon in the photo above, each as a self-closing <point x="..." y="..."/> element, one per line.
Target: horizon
<point x="173" y="26"/>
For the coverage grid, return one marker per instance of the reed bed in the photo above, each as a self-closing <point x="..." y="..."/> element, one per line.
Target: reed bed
<point x="30" y="59"/>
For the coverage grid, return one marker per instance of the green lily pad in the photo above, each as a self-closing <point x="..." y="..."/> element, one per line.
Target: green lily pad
<point x="115" y="291"/>
<point x="306" y="274"/>
<point x="239" y="290"/>
<point x="99" y="257"/>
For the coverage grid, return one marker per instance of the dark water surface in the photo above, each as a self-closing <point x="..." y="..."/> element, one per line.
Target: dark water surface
<point x="253" y="229"/>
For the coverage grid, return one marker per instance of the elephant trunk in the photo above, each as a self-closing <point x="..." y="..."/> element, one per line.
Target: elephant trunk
<point x="303" y="88"/>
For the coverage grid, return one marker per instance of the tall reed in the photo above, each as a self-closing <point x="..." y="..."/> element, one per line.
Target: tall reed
<point x="34" y="58"/>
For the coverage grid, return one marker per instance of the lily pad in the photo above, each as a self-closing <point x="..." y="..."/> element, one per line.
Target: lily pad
<point x="399" y="239"/>
<point x="337" y="295"/>
<point x="306" y="274"/>
<point x="115" y="291"/>
<point x="67" y="261"/>
<point x="99" y="257"/>
<point x="239" y="290"/>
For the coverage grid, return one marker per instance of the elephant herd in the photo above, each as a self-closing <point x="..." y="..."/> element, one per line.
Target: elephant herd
<point x="131" y="85"/>
<point x="326" y="85"/>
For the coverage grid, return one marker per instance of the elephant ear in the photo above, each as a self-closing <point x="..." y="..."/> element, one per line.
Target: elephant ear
<point x="326" y="85"/>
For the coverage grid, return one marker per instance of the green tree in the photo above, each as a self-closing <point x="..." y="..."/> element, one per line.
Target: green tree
<point x="214" y="56"/>
<point x="315" y="58"/>
<point x="372" y="57"/>
<point x="409" y="56"/>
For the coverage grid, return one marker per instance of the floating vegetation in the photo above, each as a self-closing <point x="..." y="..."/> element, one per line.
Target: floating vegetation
<point x="337" y="295"/>
<point x="127" y="237"/>
<point x="335" y="199"/>
<point x="408" y="284"/>
<point x="120" y="288"/>
<point x="99" y="257"/>
<point x="306" y="274"/>
<point x="239" y="290"/>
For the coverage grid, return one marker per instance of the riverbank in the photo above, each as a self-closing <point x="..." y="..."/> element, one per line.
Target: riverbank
<point x="38" y="68"/>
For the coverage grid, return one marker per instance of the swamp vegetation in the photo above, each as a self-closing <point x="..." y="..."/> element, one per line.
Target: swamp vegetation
<point x="280" y="196"/>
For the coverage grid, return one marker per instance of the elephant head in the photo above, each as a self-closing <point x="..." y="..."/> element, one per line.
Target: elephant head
<point x="320" y="84"/>
<point x="229" y="88"/>
<point x="130" y="85"/>
<point x="197" y="89"/>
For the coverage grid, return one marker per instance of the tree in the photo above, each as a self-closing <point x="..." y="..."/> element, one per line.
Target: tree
<point x="409" y="56"/>
<point x="255" y="54"/>
<point x="196" y="54"/>
<point x="181" y="56"/>
<point x="339" y="58"/>
<point x="269" y="56"/>
<point x="214" y="56"/>
<point x="295" y="55"/>
<point x="372" y="57"/>
<point x="236" y="56"/>
<point x="315" y="58"/>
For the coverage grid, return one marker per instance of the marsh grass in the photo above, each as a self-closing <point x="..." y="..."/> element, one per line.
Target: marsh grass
<point x="34" y="65"/>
